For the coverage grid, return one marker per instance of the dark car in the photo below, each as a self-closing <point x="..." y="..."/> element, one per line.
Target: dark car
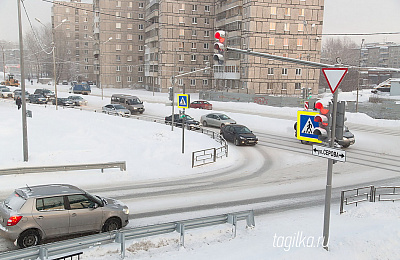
<point x="65" y="102"/>
<point x="178" y="121"/>
<point x="18" y="93"/>
<point x="201" y="104"/>
<point x="45" y="93"/>
<point x="239" y="135"/>
<point x="37" y="99"/>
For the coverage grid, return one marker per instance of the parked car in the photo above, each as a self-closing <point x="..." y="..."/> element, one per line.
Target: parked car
<point x="37" y="99"/>
<point x="31" y="214"/>
<point x="78" y="100"/>
<point x="18" y="93"/>
<point x="65" y="102"/>
<point x="178" y="121"/>
<point x="116" y="109"/>
<point x="201" y="104"/>
<point x="64" y="82"/>
<point x="216" y="119"/>
<point x="6" y="93"/>
<point x="45" y="93"/>
<point x="133" y="103"/>
<point x="80" y="88"/>
<point x="239" y="135"/>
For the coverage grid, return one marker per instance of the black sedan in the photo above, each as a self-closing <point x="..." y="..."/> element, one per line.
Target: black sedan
<point x="178" y="121"/>
<point x="37" y="99"/>
<point x="239" y="135"/>
<point x="65" y="102"/>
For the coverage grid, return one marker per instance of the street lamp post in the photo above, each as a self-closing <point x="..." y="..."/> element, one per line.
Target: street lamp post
<point x="4" y="63"/>
<point x="54" y="57"/>
<point x="99" y="78"/>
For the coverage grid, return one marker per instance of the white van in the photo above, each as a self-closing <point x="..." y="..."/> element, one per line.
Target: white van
<point x="133" y="103"/>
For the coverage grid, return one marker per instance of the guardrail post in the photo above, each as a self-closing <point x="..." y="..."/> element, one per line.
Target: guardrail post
<point x="232" y="219"/>
<point x="215" y="154"/>
<point x="120" y="238"/>
<point x="372" y="194"/>
<point x="43" y="253"/>
<point x="250" y="222"/>
<point x="180" y="227"/>
<point x="192" y="159"/>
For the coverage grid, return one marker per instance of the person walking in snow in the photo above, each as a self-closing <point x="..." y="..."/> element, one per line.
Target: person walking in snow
<point x="18" y="101"/>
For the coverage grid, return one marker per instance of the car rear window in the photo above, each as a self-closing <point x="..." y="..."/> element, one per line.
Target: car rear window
<point x="14" y="201"/>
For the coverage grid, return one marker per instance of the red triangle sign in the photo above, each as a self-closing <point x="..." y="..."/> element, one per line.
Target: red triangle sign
<point x="334" y="76"/>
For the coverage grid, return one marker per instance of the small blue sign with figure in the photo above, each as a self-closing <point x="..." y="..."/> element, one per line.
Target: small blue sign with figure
<point x="306" y="126"/>
<point x="183" y="100"/>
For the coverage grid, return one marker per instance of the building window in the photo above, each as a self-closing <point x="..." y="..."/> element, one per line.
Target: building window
<point x="118" y="47"/>
<point x="205" y="82"/>
<point x="206" y="21"/>
<point x="129" y="15"/>
<point x="193" y="57"/>
<point x="129" y="79"/>
<point x="272" y="26"/>
<point x="284" y="71"/>
<point x="141" y="47"/>
<point x="67" y="10"/>
<point x="140" y="37"/>
<point x="285" y="42"/>
<point x="298" y="72"/>
<point x="180" y="69"/>
<point x="297" y="85"/>
<point x="182" y="7"/>
<point x="141" y="5"/>
<point x="181" y="19"/>
<point x="270" y="71"/>
<point x="180" y="82"/>
<point x="207" y="8"/>
<point x="181" y="32"/>
<point x="194" y="8"/>
<point x="299" y="42"/>
<point x="129" y="58"/>
<point x="118" y="68"/>
<point x="129" y="37"/>
<point x="206" y="58"/>
<point x="273" y="10"/>
<point x="206" y="46"/>
<point x="118" y="3"/>
<point x="181" y="57"/>
<point x="287" y="11"/>
<point x="194" y="20"/>
<point x="269" y="85"/>
<point x="271" y="41"/>
<point x="118" y="78"/>
<point x="300" y="27"/>
<point x="194" y="33"/>
<point x="141" y="26"/>
<point x="192" y="82"/>
<point x="194" y="45"/>
<point x="130" y="4"/>
<point x="181" y="45"/>
<point x="118" y="25"/>
<point x="85" y="27"/>
<point x="118" y="36"/>
<point x="130" y="47"/>
<point x="118" y="57"/>
<point x="140" y="69"/>
<point x="141" y="16"/>
<point x="301" y="12"/>
<point x="287" y="27"/>
<point x="86" y="67"/>
<point x="206" y="33"/>
<point x="129" y="26"/>
<point x="284" y="86"/>
<point x="140" y="79"/>
<point x="118" y="14"/>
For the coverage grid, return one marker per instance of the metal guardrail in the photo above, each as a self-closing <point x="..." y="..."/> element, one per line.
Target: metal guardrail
<point x="369" y="193"/>
<point x="58" y="249"/>
<point x="210" y="155"/>
<point x="36" y="169"/>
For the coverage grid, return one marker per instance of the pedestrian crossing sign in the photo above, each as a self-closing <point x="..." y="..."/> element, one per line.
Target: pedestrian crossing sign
<point x="306" y="125"/>
<point x="183" y="100"/>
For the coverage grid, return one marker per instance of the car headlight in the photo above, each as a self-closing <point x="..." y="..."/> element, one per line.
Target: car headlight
<point x="126" y="211"/>
<point x="241" y="137"/>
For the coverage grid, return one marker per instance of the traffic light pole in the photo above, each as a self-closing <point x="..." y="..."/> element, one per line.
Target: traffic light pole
<point x="328" y="191"/>
<point x="183" y="124"/>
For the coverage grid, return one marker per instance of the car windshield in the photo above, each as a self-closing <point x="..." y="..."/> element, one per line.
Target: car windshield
<point x="14" y="201"/>
<point x="189" y="117"/>
<point x="119" y="107"/>
<point x="224" y="117"/>
<point x="242" y="130"/>
<point x="5" y="89"/>
<point x="76" y="97"/>
<point x="134" y="101"/>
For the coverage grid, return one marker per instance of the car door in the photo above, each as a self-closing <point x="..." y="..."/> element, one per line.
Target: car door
<point x="84" y="214"/>
<point x="227" y="130"/>
<point x="51" y="215"/>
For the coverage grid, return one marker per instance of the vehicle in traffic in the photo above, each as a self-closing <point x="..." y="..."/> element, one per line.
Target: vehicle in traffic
<point x="116" y="109"/>
<point x="190" y="122"/>
<point x="45" y="93"/>
<point x="65" y="102"/>
<point x="201" y="104"/>
<point x="239" y="135"/>
<point x="216" y="119"/>
<point x="133" y="103"/>
<point x="80" y="88"/>
<point x="37" y="99"/>
<point x="6" y="93"/>
<point x="347" y="140"/>
<point x="64" y="82"/>
<point x="78" y="100"/>
<point x="18" y="93"/>
<point x="31" y="214"/>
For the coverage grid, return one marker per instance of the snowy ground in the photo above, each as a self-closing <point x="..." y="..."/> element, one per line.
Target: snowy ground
<point x="69" y="136"/>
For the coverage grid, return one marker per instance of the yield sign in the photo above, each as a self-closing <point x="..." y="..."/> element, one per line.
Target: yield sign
<point x="334" y="76"/>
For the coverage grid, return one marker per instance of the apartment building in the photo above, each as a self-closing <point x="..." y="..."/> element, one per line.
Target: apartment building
<point x="119" y="29"/>
<point x="73" y="33"/>
<point x="280" y="27"/>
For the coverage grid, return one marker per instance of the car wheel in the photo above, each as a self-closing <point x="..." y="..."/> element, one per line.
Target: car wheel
<point x="236" y="141"/>
<point x="222" y="125"/>
<point x="112" y="224"/>
<point x="28" y="238"/>
<point x="205" y="123"/>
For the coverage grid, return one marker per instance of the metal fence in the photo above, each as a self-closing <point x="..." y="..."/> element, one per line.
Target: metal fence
<point x="121" y="165"/>
<point x="210" y="155"/>
<point x="368" y="193"/>
<point x="62" y="248"/>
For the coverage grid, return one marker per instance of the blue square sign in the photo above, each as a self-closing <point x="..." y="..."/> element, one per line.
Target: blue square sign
<point x="306" y="126"/>
<point x="183" y="100"/>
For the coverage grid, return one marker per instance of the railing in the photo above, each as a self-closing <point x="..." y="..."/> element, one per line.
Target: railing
<point x="58" y="249"/>
<point x="210" y="155"/>
<point x="37" y="169"/>
<point x="369" y="193"/>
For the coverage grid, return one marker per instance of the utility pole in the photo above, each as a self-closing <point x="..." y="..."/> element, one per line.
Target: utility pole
<point x="21" y="52"/>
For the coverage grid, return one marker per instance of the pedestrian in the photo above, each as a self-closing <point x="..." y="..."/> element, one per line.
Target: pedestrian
<point x="18" y="101"/>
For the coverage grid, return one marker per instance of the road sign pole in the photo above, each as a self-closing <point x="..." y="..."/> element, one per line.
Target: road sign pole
<point x="183" y="124"/>
<point x="328" y="192"/>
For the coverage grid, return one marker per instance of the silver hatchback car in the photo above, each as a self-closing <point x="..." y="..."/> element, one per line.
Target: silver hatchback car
<point x="31" y="214"/>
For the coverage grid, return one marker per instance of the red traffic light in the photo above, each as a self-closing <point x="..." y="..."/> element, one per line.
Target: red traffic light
<point x="321" y="108"/>
<point x="321" y="119"/>
<point x="218" y="46"/>
<point x="220" y="35"/>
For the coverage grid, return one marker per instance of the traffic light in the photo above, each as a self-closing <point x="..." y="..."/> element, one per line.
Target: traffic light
<point x="171" y="93"/>
<point x="324" y="120"/>
<point x="219" y="46"/>
<point x="309" y="93"/>
<point x="340" y="119"/>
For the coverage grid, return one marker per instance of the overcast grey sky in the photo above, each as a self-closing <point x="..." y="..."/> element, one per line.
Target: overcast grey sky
<point x="340" y="16"/>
